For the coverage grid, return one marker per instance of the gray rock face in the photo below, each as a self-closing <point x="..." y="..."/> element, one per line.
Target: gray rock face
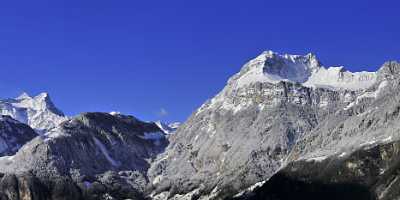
<point x="372" y="117"/>
<point x="367" y="173"/>
<point x="257" y="125"/>
<point x="25" y="187"/>
<point x="92" y="156"/>
<point x="13" y="135"/>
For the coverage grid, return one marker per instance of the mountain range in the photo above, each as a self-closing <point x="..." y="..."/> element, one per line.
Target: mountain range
<point x="284" y="127"/>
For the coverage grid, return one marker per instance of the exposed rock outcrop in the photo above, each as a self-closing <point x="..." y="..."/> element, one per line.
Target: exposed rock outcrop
<point x="13" y="135"/>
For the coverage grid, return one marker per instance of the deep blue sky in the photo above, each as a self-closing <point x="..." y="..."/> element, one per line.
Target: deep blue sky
<point x="139" y="57"/>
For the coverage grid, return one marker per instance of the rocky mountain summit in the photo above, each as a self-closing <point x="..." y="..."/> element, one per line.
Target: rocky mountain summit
<point x="307" y="70"/>
<point x="276" y="110"/>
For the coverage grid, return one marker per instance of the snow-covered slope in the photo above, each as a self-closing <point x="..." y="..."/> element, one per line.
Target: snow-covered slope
<point x="38" y="112"/>
<point x="273" y="67"/>
<point x="175" y="125"/>
<point x="168" y="128"/>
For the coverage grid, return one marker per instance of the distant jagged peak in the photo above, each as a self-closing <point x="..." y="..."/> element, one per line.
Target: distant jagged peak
<point x="306" y="69"/>
<point x="40" y="102"/>
<point x="42" y="96"/>
<point x="38" y="111"/>
<point x="310" y="59"/>
<point x="24" y="95"/>
<point x="273" y="54"/>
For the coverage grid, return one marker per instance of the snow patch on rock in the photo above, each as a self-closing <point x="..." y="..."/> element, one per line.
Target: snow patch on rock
<point x="168" y="128"/>
<point x="317" y="159"/>
<point x="105" y="152"/>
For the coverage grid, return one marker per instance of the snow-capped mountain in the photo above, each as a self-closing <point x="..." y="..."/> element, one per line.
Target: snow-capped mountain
<point x="38" y="112"/>
<point x="91" y="156"/>
<point x="277" y="109"/>
<point x="283" y="123"/>
<point x="352" y="154"/>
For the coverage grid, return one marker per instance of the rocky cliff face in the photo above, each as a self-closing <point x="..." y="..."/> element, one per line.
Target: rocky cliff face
<point x="367" y="173"/>
<point x="353" y="154"/>
<point x="92" y="156"/>
<point x="277" y="110"/>
<point x="371" y="117"/>
<point x="13" y="135"/>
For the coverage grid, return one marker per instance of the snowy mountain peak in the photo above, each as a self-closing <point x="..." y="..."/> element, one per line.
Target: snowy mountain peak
<point x="41" y="102"/>
<point x="305" y="69"/>
<point x="273" y="67"/>
<point x="269" y="52"/>
<point x="43" y="95"/>
<point x="310" y="57"/>
<point x="24" y="95"/>
<point x="39" y="112"/>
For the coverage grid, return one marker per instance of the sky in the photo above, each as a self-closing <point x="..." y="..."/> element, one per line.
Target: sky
<point x="160" y="60"/>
